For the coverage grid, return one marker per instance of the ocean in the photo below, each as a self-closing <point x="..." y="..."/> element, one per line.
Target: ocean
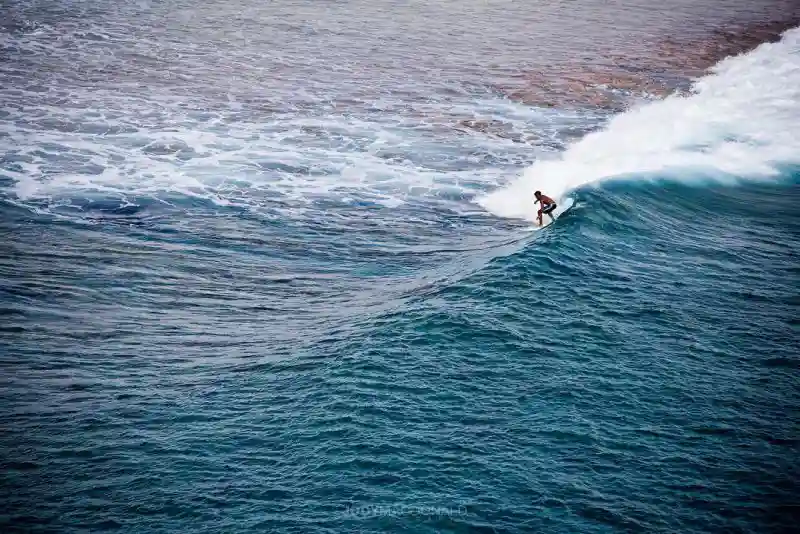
<point x="274" y="266"/>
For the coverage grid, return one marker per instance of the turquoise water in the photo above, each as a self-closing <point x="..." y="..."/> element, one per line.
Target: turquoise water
<point x="322" y="307"/>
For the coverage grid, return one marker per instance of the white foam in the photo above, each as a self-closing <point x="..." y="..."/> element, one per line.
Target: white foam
<point x="120" y="141"/>
<point x="115" y="138"/>
<point x="297" y="159"/>
<point x="740" y="121"/>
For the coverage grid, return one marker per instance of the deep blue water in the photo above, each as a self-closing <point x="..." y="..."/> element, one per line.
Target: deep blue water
<point x="318" y="307"/>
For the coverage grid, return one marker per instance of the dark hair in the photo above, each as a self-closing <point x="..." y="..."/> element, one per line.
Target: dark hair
<point x="537" y="193"/>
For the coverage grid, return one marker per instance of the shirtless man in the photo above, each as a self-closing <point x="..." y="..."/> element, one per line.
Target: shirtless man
<point x="548" y="205"/>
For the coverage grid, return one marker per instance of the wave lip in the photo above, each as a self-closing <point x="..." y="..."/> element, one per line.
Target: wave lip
<point x="738" y="122"/>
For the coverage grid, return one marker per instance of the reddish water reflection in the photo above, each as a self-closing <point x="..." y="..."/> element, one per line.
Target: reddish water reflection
<point x="670" y="66"/>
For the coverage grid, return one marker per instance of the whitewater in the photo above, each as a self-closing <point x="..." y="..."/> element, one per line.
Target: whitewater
<point x="738" y="122"/>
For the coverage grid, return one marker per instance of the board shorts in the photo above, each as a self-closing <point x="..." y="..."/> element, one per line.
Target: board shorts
<point x="548" y="209"/>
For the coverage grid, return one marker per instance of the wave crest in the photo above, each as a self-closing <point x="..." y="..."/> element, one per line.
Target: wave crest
<point x="740" y="121"/>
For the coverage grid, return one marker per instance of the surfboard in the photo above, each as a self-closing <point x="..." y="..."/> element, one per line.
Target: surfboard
<point x="563" y="206"/>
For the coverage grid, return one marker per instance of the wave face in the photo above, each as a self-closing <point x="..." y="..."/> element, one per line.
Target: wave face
<point x="270" y="268"/>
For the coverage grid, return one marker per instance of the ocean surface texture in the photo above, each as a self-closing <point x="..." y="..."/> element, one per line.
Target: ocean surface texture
<point x="271" y="266"/>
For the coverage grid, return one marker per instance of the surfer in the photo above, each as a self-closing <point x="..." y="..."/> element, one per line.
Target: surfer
<point x="548" y="205"/>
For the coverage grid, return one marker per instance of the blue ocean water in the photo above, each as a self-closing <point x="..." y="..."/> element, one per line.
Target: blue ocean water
<point x="261" y="272"/>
